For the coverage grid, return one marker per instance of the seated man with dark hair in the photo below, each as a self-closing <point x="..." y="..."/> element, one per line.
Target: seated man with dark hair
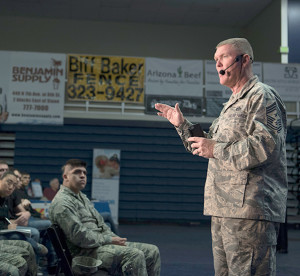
<point x="3" y="167"/>
<point x="88" y="235"/>
<point x="21" y="209"/>
<point x="8" y="182"/>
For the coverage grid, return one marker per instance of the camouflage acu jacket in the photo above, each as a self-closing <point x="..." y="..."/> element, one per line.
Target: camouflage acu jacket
<point x="247" y="178"/>
<point x="82" y="224"/>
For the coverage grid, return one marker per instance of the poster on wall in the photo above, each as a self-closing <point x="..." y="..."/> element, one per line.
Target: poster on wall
<point x="172" y="80"/>
<point x="216" y="96"/>
<point x="284" y="78"/>
<point x="32" y="87"/>
<point x="106" y="178"/>
<point x="105" y="78"/>
<point x="191" y="106"/>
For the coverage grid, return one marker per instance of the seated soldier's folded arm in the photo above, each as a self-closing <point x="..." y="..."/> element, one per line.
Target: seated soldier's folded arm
<point x="81" y="234"/>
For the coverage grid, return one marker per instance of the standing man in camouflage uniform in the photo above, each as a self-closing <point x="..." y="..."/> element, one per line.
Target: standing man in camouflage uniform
<point x="88" y="235"/>
<point x="246" y="185"/>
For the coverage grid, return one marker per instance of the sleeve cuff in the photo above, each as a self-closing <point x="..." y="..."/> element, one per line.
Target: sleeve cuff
<point x="107" y="239"/>
<point x="183" y="127"/>
<point x="218" y="150"/>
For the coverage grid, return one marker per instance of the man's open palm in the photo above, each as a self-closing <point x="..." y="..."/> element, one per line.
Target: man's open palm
<point x="173" y="114"/>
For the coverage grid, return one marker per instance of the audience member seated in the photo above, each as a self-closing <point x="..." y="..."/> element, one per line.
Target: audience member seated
<point x="12" y="264"/>
<point x="36" y="220"/>
<point x="51" y="191"/>
<point x="3" y="167"/>
<point x="88" y="235"/>
<point x="17" y="258"/>
<point x="17" y="214"/>
<point x="8" y="182"/>
<point x="25" y="178"/>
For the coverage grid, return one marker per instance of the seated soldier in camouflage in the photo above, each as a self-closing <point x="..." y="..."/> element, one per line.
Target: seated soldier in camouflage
<point x="12" y="264"/>
<point x="17" y="258"/>
<point x="88" y="235"/>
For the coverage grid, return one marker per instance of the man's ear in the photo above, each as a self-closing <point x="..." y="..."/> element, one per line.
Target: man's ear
<point x="246" y="59"/>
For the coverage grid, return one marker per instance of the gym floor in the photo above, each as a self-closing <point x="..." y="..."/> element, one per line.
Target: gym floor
<point x="186" y="250"/>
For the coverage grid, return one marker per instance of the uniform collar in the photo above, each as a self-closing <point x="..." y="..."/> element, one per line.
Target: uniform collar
<point x="247" y="86"/>
<point x="245" y="89"/>
<point x="69" y="191"/>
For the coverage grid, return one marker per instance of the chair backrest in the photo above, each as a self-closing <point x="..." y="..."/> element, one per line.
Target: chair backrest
<point x="58" y="240"/>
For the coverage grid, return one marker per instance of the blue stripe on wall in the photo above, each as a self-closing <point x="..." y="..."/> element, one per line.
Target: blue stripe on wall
<point x="159" y="180"/>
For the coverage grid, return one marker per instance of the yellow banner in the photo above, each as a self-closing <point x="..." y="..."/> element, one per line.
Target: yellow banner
<point x="98" y="78"/>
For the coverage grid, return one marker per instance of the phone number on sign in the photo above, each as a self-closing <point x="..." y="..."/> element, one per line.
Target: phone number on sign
<point x="110" y="93"/>
<point x="35" y="107"/>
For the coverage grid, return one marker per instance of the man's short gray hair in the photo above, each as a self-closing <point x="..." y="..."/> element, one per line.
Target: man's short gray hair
<point x="242" y="45"/>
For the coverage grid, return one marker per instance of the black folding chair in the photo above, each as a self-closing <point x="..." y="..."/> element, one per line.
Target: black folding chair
<point x="58" y="240"/>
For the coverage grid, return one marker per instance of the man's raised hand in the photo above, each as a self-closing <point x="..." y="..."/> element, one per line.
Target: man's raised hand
<point x="173" y="114"/>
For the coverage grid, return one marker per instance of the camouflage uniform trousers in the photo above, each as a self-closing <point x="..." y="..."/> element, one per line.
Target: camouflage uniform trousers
<point x="11" y="262"/>
<point x="12" y="265"/>
<point x="18" y="255"/>
<point x="134" y="259"/>
<point x="243" y="247"/>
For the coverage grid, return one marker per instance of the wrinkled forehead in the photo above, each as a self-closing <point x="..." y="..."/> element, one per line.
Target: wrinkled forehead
<point x="70" y="169"/>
